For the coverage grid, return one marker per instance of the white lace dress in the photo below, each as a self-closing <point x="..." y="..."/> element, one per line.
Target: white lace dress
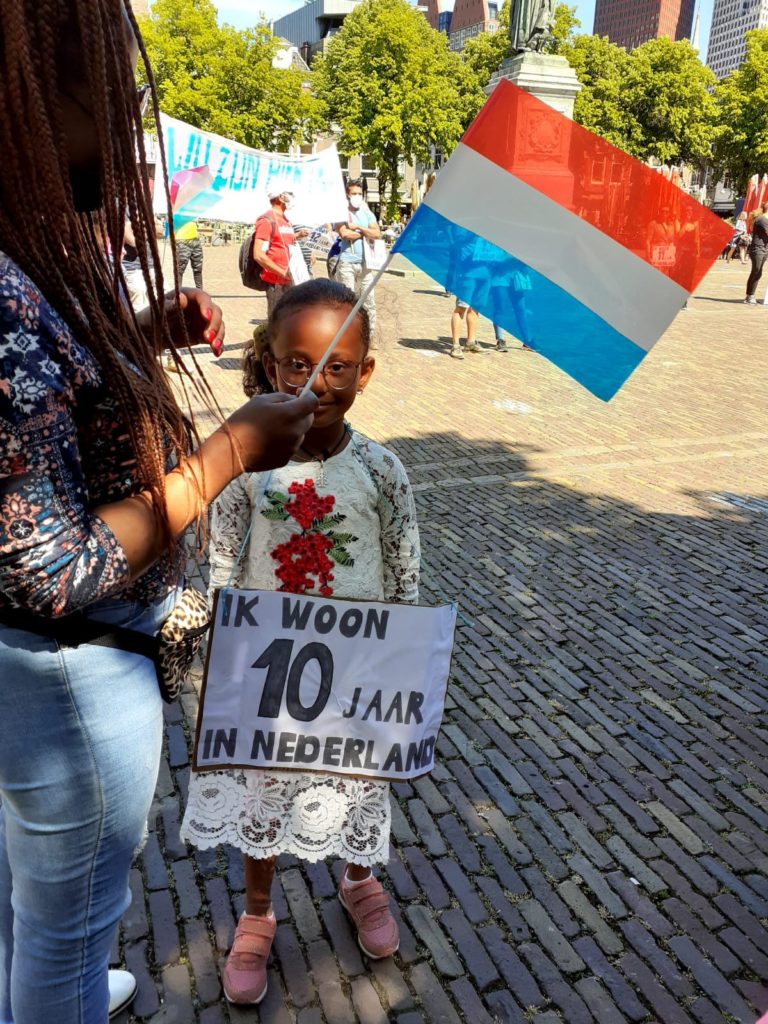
<point x="363" y="497"/>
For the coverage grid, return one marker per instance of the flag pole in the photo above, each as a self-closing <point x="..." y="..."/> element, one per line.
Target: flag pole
<point x="352" y="314"/>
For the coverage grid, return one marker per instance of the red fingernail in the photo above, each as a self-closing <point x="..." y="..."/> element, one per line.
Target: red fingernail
<point x="217" y="349"/>
<point x="210" y="335"/>
<point x="207" y="313"/>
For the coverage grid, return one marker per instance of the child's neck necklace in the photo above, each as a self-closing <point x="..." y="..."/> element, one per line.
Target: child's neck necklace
<point x="326" y="453"/>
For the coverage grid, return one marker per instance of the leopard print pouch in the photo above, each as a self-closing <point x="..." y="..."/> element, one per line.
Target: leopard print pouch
<point x="179" y="641"/>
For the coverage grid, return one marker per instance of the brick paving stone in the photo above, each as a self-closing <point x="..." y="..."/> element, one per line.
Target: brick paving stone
<point x="289" y="956"/>
<point x="543" y="890"/>
<point x="366" y="1002"/>
<point x="462" y="889"/>
<point x="303" y="910"/>
<point x="433" y="937"/>
<point x="426" y="828"/>
<point x="665" y="969"/>
<point x="389" y="979"/>
<point x="185" y="884"/>
<point x="165" y="932"/>
<point x="177" y="993"/>
<point x="496" y="791"/>
<point x="602" y="1007"/>
<point x="464" y="936"/>
<point x="551" y="938"/>
<point x="458" y="842"/>
<point x="648" y="985"/>
<point x="709" y="978"/>
<point x="202" y="960"/>
<point x="560" y="991"/>
<point x="690" y="925"/>
<point x="147" y="1000"/>
<point x="512" y="969"/>
<point x="504" y="1008"/>
<point x="220" y="909"/>
<point x="616" y="984"/>
<point x="427" y="878"/>
<point x="502" y="908"/>
<point x="468" y="1002"/>
<point x="343" y="937"/>
<point x="432" y="995"/>
<point x="595" y="881"/>
<point x="578" y="902"/>
<point x="325" y="971"/>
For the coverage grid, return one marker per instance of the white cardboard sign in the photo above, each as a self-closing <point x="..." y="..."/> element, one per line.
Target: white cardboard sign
<point x="348" y="687"/>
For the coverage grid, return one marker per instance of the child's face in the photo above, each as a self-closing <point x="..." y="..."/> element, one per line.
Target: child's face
<point x="303" y="337"/>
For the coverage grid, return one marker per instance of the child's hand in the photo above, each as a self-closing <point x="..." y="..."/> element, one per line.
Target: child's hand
<point x="270" y="428"/>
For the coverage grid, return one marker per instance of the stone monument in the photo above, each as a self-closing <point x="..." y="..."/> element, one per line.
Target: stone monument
<point x="545" y="75"/>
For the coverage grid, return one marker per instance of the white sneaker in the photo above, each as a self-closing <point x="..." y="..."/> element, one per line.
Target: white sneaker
<point x="122" y="990"/>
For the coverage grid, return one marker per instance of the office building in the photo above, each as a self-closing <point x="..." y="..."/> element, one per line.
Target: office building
<point x="460" y="20"/>
<point x="630" y="23"/>
<point x="311" y="27"/>
<point x="731" y="20"/>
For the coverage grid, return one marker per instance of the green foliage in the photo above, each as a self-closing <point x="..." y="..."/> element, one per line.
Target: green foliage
<point x="601" y="67"/>
<point x="741" y="147"/>
<point x="653" y="102"/>
<point x="668" y="93"/>
<point x="222" y="79"/>
<point x="390" y="87"/>
<point x="564" y="29"/>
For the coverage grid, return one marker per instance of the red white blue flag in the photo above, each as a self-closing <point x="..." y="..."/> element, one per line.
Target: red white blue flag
<point x="579" y="250"/>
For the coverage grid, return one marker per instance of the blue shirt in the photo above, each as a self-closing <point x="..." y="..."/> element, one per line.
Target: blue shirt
<point x="352" y="252"/>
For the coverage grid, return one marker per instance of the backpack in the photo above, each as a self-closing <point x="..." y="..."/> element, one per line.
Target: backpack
<point x="250" y="271"/>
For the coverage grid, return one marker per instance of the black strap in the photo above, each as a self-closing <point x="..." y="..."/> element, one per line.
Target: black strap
<point x="74" y="630"/>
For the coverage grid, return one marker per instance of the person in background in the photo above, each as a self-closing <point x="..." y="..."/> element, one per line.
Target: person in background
<point x="273" y="238"/>
<point x="739" y="241"/>
<point x="462" y="312"/>
<point x="351" y="271"/>
<point x="101" y="473"/>
<point x="303" y="233"/>
<point x="758" y="253"/>
<point x="189" y="249"/>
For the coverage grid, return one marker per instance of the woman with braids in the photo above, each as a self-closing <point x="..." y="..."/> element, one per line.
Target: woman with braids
<point x="99" y="477"/>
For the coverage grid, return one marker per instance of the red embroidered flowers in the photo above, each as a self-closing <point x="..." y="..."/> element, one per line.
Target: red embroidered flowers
<point x="306" y="560"/>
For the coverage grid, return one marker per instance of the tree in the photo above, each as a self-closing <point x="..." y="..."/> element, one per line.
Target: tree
<point x="601" y="68"/>
<point x="222" y="80"/>
<point x="667" y="93"/>
<point x="390" y="87"/>
<point x="741" y="147"/>
<point x="564" y="29"/>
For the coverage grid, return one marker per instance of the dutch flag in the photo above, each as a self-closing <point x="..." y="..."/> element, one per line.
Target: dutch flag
<point x="562" y="239"/>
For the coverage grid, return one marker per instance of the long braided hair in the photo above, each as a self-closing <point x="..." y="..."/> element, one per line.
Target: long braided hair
<point x="45" y="46"/>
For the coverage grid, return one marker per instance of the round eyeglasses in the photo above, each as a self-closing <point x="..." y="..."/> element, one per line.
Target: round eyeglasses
<point x="295" y="372"/>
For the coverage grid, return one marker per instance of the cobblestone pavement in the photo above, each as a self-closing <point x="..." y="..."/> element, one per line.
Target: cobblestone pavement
<point x="593" y="845"/>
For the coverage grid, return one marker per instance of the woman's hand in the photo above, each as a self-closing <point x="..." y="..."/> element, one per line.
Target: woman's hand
<point x="269" y="428"/>
<point x="203" y="320"/>
<point x="195" y="309"/>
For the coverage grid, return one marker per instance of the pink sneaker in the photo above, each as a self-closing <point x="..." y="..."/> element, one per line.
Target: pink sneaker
<point x="368" y="906"/>
<point x="245" y="972"/>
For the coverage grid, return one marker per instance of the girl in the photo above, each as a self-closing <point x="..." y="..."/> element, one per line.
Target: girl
<point x="91" y="510"/>
<point x="373" y="553"/>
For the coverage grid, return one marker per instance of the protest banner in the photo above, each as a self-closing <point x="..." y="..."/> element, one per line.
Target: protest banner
<point x="348" y="687"/>
<point x="232" y="181"/>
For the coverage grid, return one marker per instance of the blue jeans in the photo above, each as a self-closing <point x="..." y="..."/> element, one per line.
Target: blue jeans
<point x="80" y="737"/>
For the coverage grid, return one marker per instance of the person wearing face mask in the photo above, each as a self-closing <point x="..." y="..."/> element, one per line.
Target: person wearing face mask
<point x="361" y="228"/>
<point x="272" y="241"/>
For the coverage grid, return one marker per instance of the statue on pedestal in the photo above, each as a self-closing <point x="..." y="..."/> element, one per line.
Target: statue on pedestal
<point x="530" y="24"/>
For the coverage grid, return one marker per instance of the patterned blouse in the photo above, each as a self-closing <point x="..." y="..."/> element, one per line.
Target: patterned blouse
<point x="64" y="450"/>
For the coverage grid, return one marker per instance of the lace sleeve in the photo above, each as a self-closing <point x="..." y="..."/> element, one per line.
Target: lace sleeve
<point x="232" y="512"/>
<point x="400" y="544"/>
